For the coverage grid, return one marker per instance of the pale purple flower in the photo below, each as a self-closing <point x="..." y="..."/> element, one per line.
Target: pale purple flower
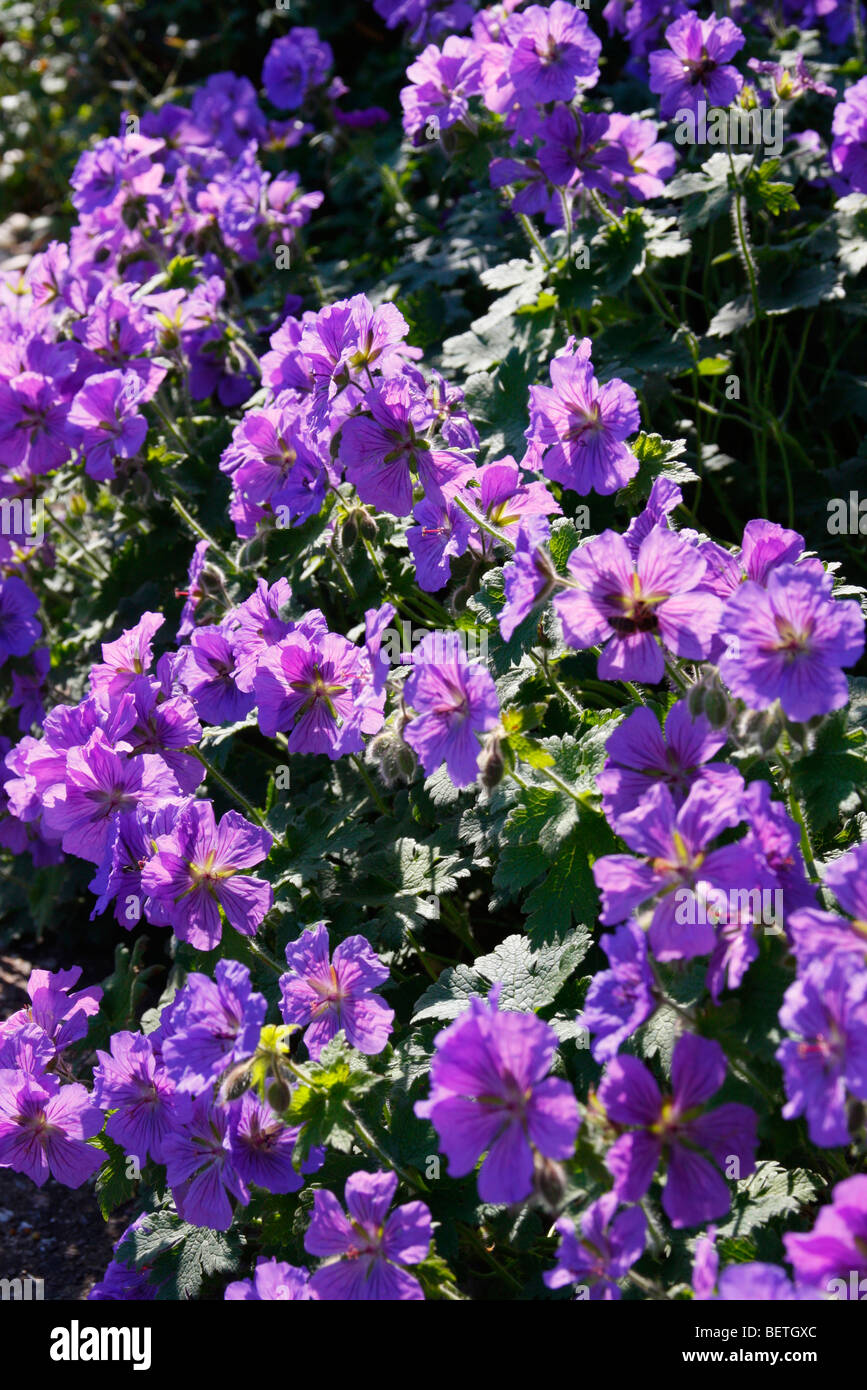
<point x="367" y="1252"/>
<point x="324" y="994"/>
<point x="668" y="1129"/>
<point x="491" y="1092"/>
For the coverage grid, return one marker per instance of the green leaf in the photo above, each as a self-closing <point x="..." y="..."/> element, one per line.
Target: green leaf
<point x="768" y="1193"/>
<point x="657" y="458"/>
<point x="530" y="978"/>
<point x="762" y="192"/>
<point x="113" y="1187"/>
<point x="832" y="778"/>
<point x="320" y="1107"/>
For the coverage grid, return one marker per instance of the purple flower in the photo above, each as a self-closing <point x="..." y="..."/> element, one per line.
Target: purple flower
<point x="556" y="56"/>
<point x="508" y="500"/>
<point x="272" y="1279"/>
<point x="372" y="1248"/>
<point x="255" y="626"/>
<point x="789" y="82"/>
<point x="668" y="1129"/>
<point x="193" y="593"/>
<point x="164" y="728"/>
<point x="849" y="143"/>
<point x="383" y="449"/>
<point x="345" y="342"/>
<point x="213" y="1024"/>
<point x="639" y="757"/>
<point x="105" y="413"/>
<point x="529" y="578"/>
<point x="634" y="605"/>
<point x="788" y="641"/>
<point x="619" y="1000"/>
<point x="827" y="1257"/>
<point x="128" y="657"/>
<point x="651" y="161"/>
<point x="582" y="425"/>
<point x="319" y="687"/>
<point x="679" y="871"/>
<point x="18" y="626"/>
<point x="663" y="498"/>
<point x="443" y="532"/>
<point x="604" y="1252"/>
<point x="63" y="1017"/>
<point x="34" y="423"/>
<point x="131" y="1082"/>
<point x="27" y="690"/>
<point x="753" y="1282"/>
<point x="325" y="994"/>
<point x="196" y="871"/>
<point x="113" y="167"/>
<point x="44" y="1128"/>
<point x="455" y="700"/>
<point x="129" y="845"/>
<point x="294" y="63"/>
<point x="442" y="81"/>
<point x="697" y="68"/>
<point x="199" y="1168"/>
<point x="99" y="783"/>
<point x="815" y="933"/>
<point x="262" y="1148"/>
<point x="826" y="1060"/>
<point x="207" y="671"/>
<point x="490" y="1091"/>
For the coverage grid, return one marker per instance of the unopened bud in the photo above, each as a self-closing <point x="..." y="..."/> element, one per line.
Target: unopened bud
<point x="279" y="1096"/>
<point x="493" y="764"/>
<point x="695" y="700"/>
<point x="77" y="504"/>
<point x="549" y="1182"/>
<point x="349" y="532"/>
<point x="772" y="728"/>
<point x="716" y="707"/>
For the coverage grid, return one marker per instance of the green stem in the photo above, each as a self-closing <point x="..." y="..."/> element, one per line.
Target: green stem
<point x="530" y="233"/>
<point x="371" y="787"/>
<point x="230" y="790"/>
<point x="483" y="523"/>
<point x="200" y="531"/>
<point x="96" y="567"/>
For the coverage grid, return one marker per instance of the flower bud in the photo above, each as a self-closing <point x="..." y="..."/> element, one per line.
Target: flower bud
<point x="716" y="707"/>
<point x="279" y="1096"/>
<point x="695" y="700"/>
<point x="549" y="1182"/>
<point x="493" y="764"/>
<point x="349" y="533"/>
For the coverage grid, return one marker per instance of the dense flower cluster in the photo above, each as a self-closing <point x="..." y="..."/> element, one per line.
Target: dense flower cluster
<point x="684" y="686"/>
